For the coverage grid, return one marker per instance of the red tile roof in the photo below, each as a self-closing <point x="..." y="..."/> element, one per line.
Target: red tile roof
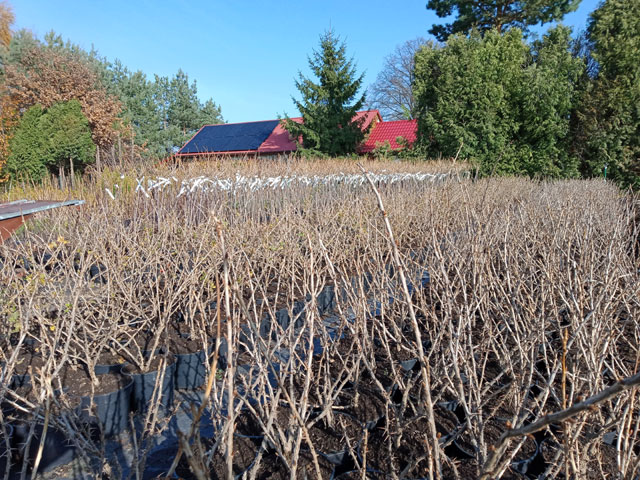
<point x="389" y="131"/>
<point x="279" y="141"/>
<point x="369" y="116"/>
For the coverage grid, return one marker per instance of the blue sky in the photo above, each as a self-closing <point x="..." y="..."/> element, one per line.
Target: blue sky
<point x="244" y="54"/>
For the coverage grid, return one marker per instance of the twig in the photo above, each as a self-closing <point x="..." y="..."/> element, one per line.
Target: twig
<point x="426" y="384"/>
<point x="558" y="417"/>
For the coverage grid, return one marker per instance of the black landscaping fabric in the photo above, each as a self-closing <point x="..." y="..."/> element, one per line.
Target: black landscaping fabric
<point x="230" y="137"/>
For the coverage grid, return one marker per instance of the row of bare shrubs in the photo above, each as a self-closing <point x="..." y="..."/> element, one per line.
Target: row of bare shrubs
<point x="532" y="305"/>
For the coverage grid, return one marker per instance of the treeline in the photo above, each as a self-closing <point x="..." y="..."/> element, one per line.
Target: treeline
<point x="62" y="107"/>
<point x="554" y="107"/>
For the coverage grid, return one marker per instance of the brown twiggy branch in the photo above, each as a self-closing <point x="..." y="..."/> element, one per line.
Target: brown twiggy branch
<point x="558" y="417"/>
<point x="426" y="383"/>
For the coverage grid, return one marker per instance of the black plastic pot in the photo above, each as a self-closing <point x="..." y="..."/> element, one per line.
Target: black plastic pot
<point x="57" y="450"/>
<point x="346" y="467"/>
<point x="190" y="370"/>
<point x="110" y="411"/>
<point x="533" y="465"/>
<point x="145" y="383"/>
<point x="283" y="318"/>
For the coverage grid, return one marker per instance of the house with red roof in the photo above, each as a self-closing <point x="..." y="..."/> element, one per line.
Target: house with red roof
<point x="389" y="133"/>
<point x="269" y="137"/>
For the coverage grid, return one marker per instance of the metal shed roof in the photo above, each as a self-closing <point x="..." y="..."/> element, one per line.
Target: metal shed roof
<point x="21" y="208"/>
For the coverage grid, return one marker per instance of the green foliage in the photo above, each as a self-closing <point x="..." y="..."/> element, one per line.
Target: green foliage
<point x="484" y="15"/>
<point x="67" y="136"/>
<point x="547" y="97"/>
<point x="329" y="105"/>
<point x="164" y="112"/>
<point x="382" y="150"/>
<point x="607" y="130"/>
<point x="25" y="162"/>
<point x="50" y="140"/>
<point x="505" y="105"/>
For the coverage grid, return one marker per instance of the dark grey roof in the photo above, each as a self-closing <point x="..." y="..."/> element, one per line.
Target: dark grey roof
<point x="230" y="137"/>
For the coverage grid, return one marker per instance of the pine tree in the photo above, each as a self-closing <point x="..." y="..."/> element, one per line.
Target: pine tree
<point x="328" y="106"/>
<point x="485" y="15"/>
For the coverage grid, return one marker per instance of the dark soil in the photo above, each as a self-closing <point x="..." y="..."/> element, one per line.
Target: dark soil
<point x="271" y="466"/>
<point x="140" y="342"/>
<point x="364" y="402"/>
<point x="182" y="340"/>
<point x="402" y="446"/>
<point x="151" y="365"/>
<point x="29" y="360"/>
<point x="108" y="357"/>
<point x="343" y="432"/>
<point x="76" y="382"/>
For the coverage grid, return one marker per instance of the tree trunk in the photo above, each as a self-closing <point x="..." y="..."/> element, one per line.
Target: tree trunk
<point x="98" y="157"/>
<point x="71" y="172"/>
<point x="120" y="150"/>
<point x="60" y="176"/>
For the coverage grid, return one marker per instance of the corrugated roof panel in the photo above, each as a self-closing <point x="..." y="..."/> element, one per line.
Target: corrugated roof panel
<point x="390" y="131"/>
<point x="229" y="137"/>
<point x="20" y="208"/>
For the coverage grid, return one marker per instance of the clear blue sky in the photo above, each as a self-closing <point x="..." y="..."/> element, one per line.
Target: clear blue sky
<point x="244" y="54"/>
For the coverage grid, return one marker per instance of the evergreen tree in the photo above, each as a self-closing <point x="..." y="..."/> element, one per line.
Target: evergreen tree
<point x="608" y="125"/>
<point x="485" y="15"/>
<point x="506" y="105"/>
<point x="163" y="112"/>
<point x="50" y="140"/>
<point x="66" y="137"/>
<point x="546" y="99"/>
<point x="25" y="161"/>
<point x="328" y="106"/>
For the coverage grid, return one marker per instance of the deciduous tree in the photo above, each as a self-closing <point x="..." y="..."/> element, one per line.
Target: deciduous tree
<point x="47" y="76"/>
<point x="392" y="92"/>
<point x="9" y="113"/>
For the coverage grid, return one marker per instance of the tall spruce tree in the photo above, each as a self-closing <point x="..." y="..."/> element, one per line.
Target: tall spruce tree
<point x="328" y="106"/>
<point x="485" y="15"/>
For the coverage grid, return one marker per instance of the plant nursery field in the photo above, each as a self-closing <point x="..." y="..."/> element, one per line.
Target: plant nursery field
<point x="264" y="321"/>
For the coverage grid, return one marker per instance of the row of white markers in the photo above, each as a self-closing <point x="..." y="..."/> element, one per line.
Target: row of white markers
<point x="251" y="184"/>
